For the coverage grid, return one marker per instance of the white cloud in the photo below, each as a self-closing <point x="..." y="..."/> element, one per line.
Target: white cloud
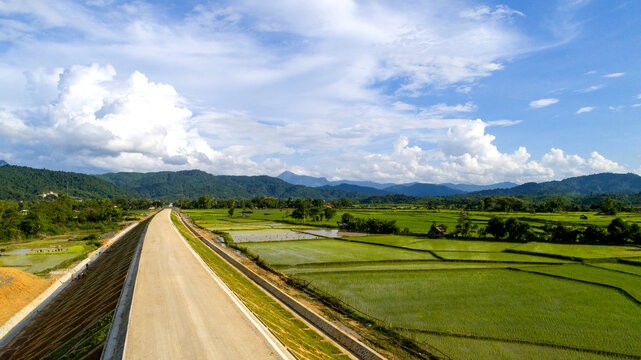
<point x="617" y="108"/>
<point x="584" y="109"/>
<point x="401" y="106"/>
<point x="443" y="109"/>
<point x="639" y="96"/>
<point x="500" y="12"/>
<point x="614" y="75"/>
<point x="466" y="153"/>
<point x="590" y="89"/>
<point x="536" y="104"/>
<point x="270" y="85"/>
<point x="101" y="122"/>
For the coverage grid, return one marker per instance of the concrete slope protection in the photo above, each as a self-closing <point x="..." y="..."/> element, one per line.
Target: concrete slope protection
<point x="182" y="310"/>
<point x="74" y="323"/>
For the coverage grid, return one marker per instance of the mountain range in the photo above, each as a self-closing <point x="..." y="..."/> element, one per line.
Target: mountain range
<point x="373" y="188"/>
<point x="25" y="183"/>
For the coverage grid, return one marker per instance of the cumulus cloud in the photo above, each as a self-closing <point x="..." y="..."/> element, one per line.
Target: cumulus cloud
<point x="131" y="124"/>
<point x="467" y="153"/>
<point x="614" y="75"/>
<point x="584" y="109"/>
<point x="536" y="104"/>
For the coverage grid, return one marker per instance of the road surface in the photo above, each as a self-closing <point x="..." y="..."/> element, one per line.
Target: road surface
<point x="181" y="310"/>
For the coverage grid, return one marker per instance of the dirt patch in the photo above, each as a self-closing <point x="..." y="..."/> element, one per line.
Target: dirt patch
<point x="18" y="289"/>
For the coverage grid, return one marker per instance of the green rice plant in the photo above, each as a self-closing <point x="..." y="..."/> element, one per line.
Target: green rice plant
<point x="495" y="256"/>
<point x="627" y="282"/>
<point x="328" y="251"/>
<point x="423" y="243"/>
<point x="581" y="251"/>
<point x="462" y="348"/>
<point x="630" y="269"/>
<point x="390" y="266"/>
<point x="495" y="303"/>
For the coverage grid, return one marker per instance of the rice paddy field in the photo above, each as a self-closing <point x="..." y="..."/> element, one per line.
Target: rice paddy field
<point x="466" y="299"/>
<point x="41" y="256"/>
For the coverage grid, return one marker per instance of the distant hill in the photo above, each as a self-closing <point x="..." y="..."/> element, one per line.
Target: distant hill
<point x="194" y="183"/>
<point x="419" y="189"/>
<point x="25" y="183"/>
<point x="296" y="179"/>
<point x="3" y="163"/>
<point x="305" y="180"/>
<point x="388" y="188"/>
<point x="472" y="188"/>
<point x="589" y="184"/>
<point x="356" y="188"/>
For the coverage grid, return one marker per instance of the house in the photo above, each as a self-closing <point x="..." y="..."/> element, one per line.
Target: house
<point x="437" y="231"/>
<point x="330" y="205"/>
<point x="341" y="224"/>
<point x="50" y="193"/>
<point x="24" y="211"/>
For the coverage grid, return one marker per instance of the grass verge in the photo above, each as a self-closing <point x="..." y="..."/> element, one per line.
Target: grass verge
<point x="300" y="339"/>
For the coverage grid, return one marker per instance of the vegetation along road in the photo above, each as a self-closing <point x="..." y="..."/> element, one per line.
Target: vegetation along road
<point x="181" y="310"/>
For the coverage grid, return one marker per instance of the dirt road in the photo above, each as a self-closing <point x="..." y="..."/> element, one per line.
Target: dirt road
<point x="181" y="310"/>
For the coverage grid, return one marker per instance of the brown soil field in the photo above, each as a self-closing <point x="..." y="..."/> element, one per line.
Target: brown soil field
<point x="18" y="289"/>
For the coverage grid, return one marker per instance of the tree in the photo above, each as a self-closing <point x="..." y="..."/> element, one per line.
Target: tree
<point x="496" y="227"/>
<point x="517" y="230"/>
<point x="608" y="207"/>
<point x="617" y="231"/>
<point x="464" y="226"/>
<point x="329" y="213"/>
<point x="231" y="211"/>
<point x="204" y="202"/>
<point x="593" y="234"/>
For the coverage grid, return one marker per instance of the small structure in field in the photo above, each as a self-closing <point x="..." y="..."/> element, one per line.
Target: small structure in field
<point x="437" y="231"/>
<point x="583" y="217"/>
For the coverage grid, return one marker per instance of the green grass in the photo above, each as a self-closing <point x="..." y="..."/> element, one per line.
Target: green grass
<point x="304" y="342"/>
<point x="630" y="269"/>
<point x="493" y="302"/>
<point x="494" y="256"/>
<point x="328" y="251"/>
<point x="630" y="283"/>
<point x="461" y="348"/>
<point x="581" y="251"/>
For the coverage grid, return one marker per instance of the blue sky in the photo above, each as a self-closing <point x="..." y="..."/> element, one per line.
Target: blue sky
<point x="393" y="91"/>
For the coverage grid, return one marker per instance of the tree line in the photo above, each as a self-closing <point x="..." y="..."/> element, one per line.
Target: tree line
<point x="24" y="220"/>
<point x="517" y="230"/>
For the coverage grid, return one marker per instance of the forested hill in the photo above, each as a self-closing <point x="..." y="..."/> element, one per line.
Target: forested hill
<point x="194" y="183"/>
<point x="25" y="183"/>
<point x="589" y="184"/>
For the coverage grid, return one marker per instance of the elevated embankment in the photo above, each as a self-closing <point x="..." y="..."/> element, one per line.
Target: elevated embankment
<point x="75" y="322"/>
